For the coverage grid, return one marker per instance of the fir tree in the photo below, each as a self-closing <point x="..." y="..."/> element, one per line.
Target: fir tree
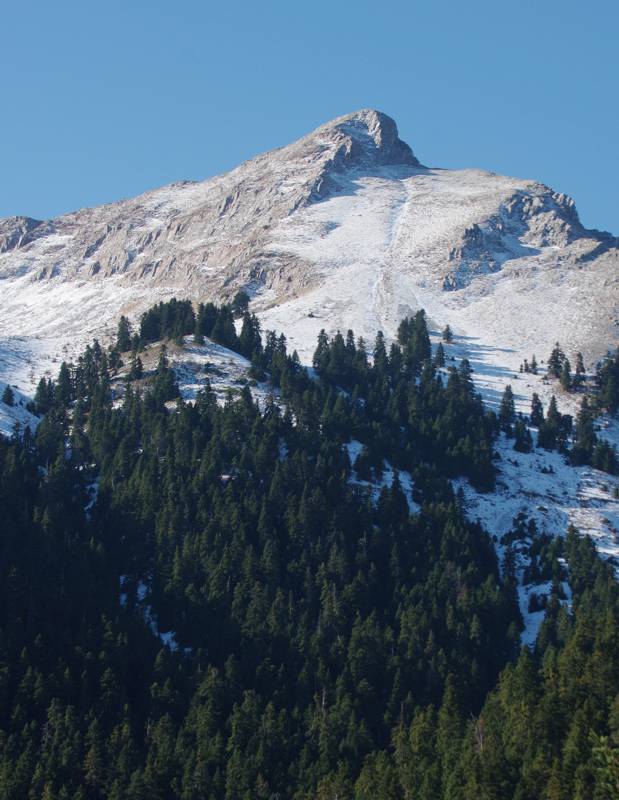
<point x="63" y="390"/>
<point x="537" y="410"/>
<point x="523" y="441"/>
<point x="566" y="375"/>
<point x="585" y="438"/>
<point x="507" y="410"/>
<point x="579" y="373"/>
<point x="136" y="370"/>
<point x="555" y="362"/>
<point x="608" y="383"/>
<point x="554" y="430"/>
<point x="8" y="396"/>
<point x="439" y="357"/>
<point x="447" y="334"/>
<point x="240" y="303"/>
<point x="123" y="335"/>
<point x="198" y="333"/>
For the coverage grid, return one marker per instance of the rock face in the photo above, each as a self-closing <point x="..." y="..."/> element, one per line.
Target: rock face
<point x="17" y="232"/>
<point x="343" y="228"/>
<point x="204" y="231"/>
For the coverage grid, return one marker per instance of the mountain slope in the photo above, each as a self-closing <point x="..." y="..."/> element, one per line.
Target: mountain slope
<point x="343" y="228"/>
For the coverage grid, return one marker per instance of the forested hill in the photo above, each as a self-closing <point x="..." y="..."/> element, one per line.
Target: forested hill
<point x="207" y="599"/>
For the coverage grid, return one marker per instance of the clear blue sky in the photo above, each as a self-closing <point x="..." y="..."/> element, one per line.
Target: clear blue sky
<point x="104" y="100"/>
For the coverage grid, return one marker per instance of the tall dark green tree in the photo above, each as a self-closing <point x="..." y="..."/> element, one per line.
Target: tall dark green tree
<point x="537" y="410"/>
<point x="507" y="410"/>
<point x="8" y="396"/>
<point x="555" y="362"/>
<point x="123" y="335"/>
<point x="566" y="375"/>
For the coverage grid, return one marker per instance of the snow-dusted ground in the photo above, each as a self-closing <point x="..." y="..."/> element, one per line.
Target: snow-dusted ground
<point x="227" y="372"/>
<point x="46" y="322"/>
<point x="141" y="595"/>
<point x="374" y="487"/>
<point x="541" y="484"/>
<point x="17" y="414"/>
<point x="400" y="239"/>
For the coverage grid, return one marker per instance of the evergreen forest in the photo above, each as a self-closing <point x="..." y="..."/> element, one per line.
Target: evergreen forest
<point x="214" y="601"/>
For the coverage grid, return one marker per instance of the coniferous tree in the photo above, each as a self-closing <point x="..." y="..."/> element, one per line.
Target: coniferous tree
<point x="115" y="360"/>
<point x="381" y="361"/>
<point x="579" y="373"/>
<point x="439" y="357"/>
<point x="523" y="441"/>
<point x="64" y="385"/>
<point x="44" y="396"/>
<point x="249" y="339"/>
<point x="555" y="362"/>
<point x="123" y="335"/>
<point x="223" y="331"/>
<point x="8" y="396"/>
<point x="537" y="410"/>
<point x="321" y="354"/>
<point x="555" y="429"/>
<point x="507" y="410"/>
<point x="240" y="302"/>
<point x="566" y="375"/>
<point x="198" y="333"/>
<point x="585" y="438"/>
<point x="136" y="370"/>
<point x="608" y="383"/>
<point x="447" y="334"/>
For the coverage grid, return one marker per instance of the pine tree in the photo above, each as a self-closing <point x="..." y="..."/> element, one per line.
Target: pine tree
<point x="447" y="334"/>
<point x="8" y="396"/>
<point x="115" y="361"/>
<point x="585" y="438"/>
<point x="44" y="396"/>
<point x="507" y="410"/>
<point x="608" y="383"/>
<point x="381" y="360"/>
<point x="533" y="365"/>
<point x="321" y="354"/>
<point x="537" y="410"/>
<point x="555" y="362"/>
<point x="579" y="373"/>
<point x="550" y="430"/>
<point x="63" y="391"/>
<point x="123" y="335"/>
<point x="198" y="333"/>
<point x="136" y="369"/>
<point x="566" y="375"/>
<point x="439" y="357"/>
<point x="240" y="303"/>
<point x="523" y="442"/>
<point x="249" y="339"/>
<point x="606" y="761"/>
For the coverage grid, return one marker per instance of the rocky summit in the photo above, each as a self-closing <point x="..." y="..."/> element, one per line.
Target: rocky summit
<point x="344" y="228"/>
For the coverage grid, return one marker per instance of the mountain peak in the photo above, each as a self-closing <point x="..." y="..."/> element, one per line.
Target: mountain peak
<point x="369" y="135"/>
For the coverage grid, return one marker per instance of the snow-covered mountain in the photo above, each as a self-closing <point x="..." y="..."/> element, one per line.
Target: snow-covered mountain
<point x="344" y="228"/>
